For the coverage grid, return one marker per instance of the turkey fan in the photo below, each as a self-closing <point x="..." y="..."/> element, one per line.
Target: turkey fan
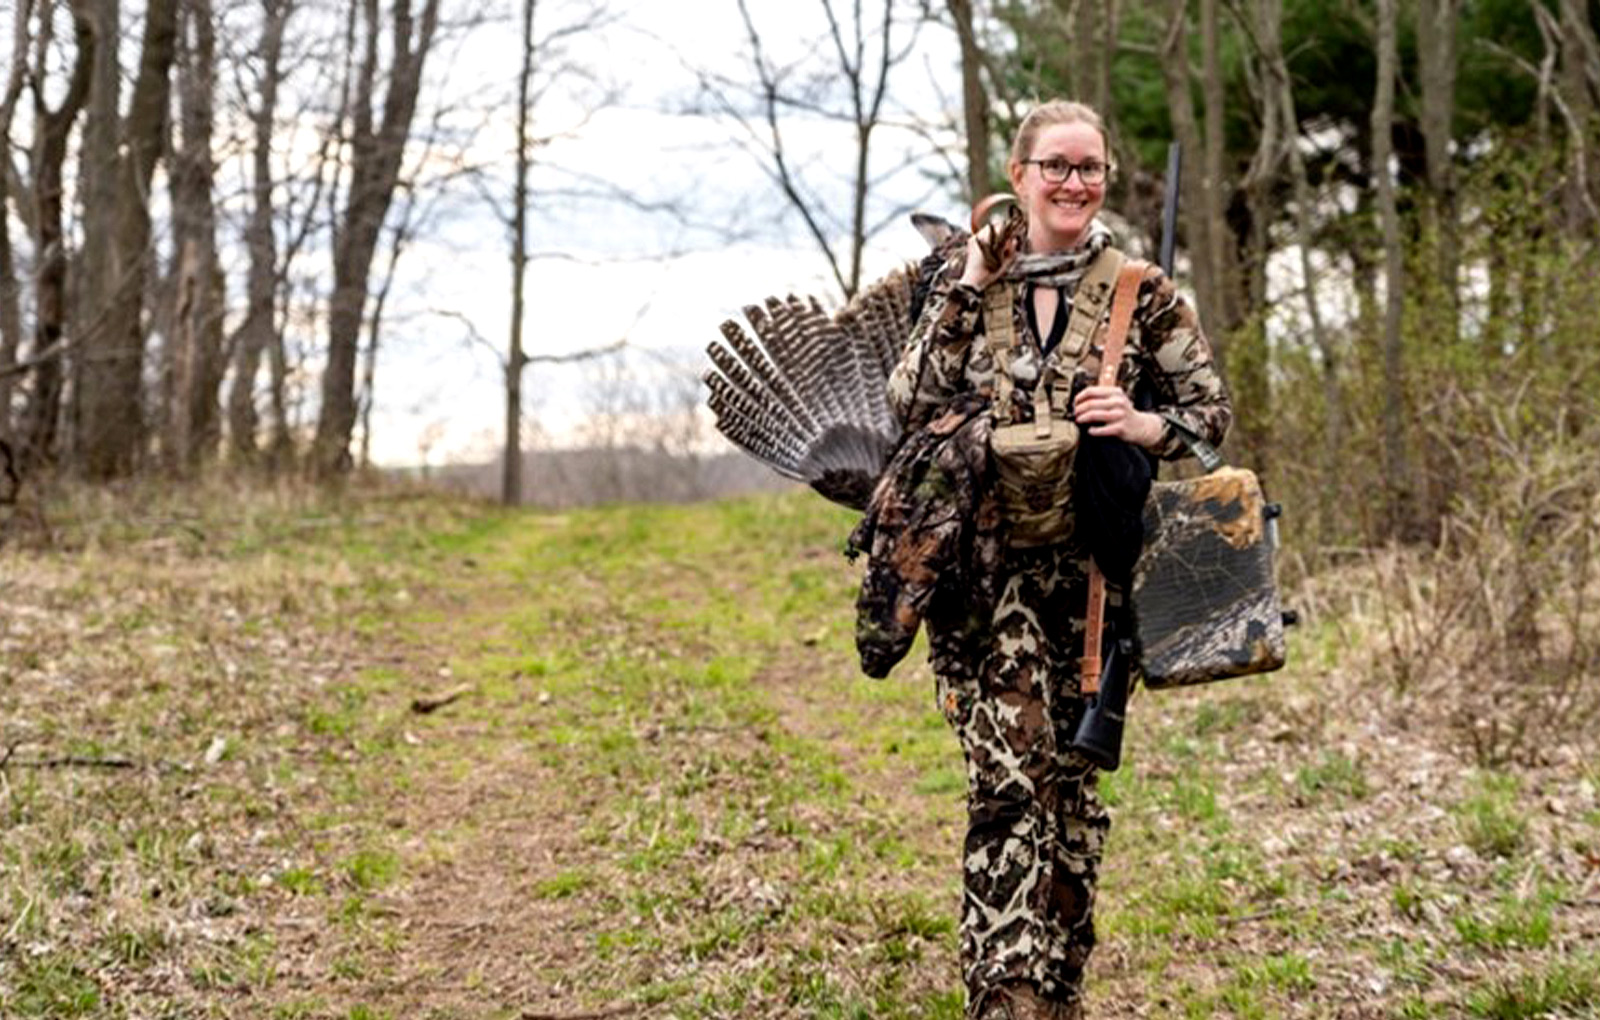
<point x="806" y="393"/>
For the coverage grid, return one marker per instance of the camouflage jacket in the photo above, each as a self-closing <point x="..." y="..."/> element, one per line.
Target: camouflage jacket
<point x="1165" y="346"/>
<point x="933" y="539"/>
<point x="933" y="529"/>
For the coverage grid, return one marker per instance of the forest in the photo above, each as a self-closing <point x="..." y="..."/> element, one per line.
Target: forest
<point x="287" y="731"/>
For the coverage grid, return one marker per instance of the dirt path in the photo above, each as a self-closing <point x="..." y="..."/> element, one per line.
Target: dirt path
<point x="668" y="793"/>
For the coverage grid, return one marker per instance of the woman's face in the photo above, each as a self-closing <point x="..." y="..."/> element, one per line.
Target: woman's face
<point x="1059" y="214"/>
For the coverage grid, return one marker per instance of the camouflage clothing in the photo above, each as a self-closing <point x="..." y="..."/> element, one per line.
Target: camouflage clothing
<point x="1006" y="648"/>
<point x="932" y="532"/>
<point x="1164" y="344"/>
<point x="1035" y="827"/>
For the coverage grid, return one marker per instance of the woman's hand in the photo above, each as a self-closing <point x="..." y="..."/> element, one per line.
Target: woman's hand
<point x="977" y="273"/>
<point x="1108" y="412"/>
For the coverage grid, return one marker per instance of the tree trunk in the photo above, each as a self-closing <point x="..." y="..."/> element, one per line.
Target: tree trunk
<point x="376" y="152"/>
<point x="1180" y="106"/>
<point x="974" y="102"/>
<point x="257" y="330"/>
<point x="1437" y="60"/>
<point x="280" y="448"/>
<point x="10" y="292"/>
<point x="1580" y="84"/>
<point x="196" y="320"/>
<point x="1396" y="463"/>
<point x="50" y="134"/>
<point x="119" y="160"/>
<point x="1223" y="316"/>
<point x="511" y="466"/>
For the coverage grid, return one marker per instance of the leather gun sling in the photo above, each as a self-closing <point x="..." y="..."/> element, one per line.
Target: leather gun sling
<point x="1094" y="619"/>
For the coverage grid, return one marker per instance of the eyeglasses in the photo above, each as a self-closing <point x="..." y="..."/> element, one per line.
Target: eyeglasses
<point x="1056" y="170"/>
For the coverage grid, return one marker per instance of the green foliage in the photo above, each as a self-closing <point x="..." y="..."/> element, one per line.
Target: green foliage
<point x="665" y="749"/>
<point x="1492" y="817"/>
<point x="1332" y="774"/>
<point x="52" y="987"/>
<point x="562" y="885"/>
<point x="1563" y="987"/>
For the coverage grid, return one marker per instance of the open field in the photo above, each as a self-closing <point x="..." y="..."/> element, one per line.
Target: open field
<point x="662" y="790"/>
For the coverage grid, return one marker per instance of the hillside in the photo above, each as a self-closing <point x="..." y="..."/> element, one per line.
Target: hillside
<point x="657" y="786"/>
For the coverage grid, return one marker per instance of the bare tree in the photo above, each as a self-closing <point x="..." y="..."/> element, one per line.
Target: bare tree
<point x="10" y="300"/>
<point x="974" y="100"/>
<point x="1397" y="469"/>
<point x="119" y="159"/>
<point x="194" y="343"/>
<point x="516" y="360"/>
<point x="51" y="128"/>
<point x="258" y="330"/>
<point x="780" y="90"/>
<point x="1280" y="142"/>
<point x="376" y="149"/>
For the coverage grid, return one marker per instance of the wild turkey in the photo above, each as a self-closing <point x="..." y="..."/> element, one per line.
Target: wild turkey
<point x="805" y="394"/>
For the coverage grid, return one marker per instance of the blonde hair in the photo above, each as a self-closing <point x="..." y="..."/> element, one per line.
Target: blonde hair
<point x="1056" y="111"/>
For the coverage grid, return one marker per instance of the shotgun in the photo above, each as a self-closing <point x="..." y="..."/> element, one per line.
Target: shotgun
<point x="1099" y="734"/>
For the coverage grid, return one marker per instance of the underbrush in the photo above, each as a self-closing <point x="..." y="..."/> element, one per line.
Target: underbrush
<point x="655" y="784"/>
<point x="1493" y="631"/>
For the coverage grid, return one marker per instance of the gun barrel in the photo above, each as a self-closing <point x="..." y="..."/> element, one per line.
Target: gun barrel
<point x="1169" y="207"/>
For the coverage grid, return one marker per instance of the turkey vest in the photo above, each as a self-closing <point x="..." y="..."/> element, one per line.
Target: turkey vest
<point x="1034" y="460"/>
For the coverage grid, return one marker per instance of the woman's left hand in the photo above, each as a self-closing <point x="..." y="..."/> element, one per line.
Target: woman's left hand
<point x="1107" y="411"/>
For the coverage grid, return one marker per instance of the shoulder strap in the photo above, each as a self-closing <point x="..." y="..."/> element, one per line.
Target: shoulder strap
<point x="1094" y="617"/>
<point x="1000" y="333"/>
<point x="1122" y="306"/>
<point x="1089" y="303"/>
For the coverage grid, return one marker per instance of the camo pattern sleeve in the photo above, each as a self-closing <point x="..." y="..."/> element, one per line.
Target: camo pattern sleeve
<point x="1178" y="357"/>
<point x="930" y="371"/>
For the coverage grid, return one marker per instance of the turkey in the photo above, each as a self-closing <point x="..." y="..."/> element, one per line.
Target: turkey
<point x="805" y="393"/>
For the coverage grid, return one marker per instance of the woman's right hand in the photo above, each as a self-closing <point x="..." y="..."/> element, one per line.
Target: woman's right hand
<point x="977" y="274"/>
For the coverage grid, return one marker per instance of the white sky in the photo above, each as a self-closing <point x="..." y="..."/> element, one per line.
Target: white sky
<point x="617" y="274"/>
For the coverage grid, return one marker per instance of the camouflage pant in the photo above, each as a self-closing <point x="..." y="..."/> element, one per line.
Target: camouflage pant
<point x="1035" y="826"/>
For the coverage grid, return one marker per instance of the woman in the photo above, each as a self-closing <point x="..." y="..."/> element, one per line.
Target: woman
<point x="1009" y="685"/>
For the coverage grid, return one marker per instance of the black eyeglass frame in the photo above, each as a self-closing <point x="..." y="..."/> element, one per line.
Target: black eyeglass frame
<point x="1082" y="170"/>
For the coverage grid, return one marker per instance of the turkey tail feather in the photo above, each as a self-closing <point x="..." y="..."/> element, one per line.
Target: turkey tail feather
<point x="804" y="391"/>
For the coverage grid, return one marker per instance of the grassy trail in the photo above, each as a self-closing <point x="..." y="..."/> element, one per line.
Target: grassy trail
<point x="663" y="790"/>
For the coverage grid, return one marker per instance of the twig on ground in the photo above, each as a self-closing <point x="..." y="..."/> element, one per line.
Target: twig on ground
<point x="601" y="1014"/>
<point x="1259" y="915"/>
<point x="69" y="761"/>
<point x="425" y="703"/>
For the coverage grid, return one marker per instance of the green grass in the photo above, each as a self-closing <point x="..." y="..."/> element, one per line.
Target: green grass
<point x="1563" y="987"/>
<point x="1332" y="775"/>
<point x="668" y="768"/>
<point x="1509" y="922"/>
<point x="1492" y="819"/>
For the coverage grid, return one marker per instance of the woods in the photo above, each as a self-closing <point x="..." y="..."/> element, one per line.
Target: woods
<point x="1382" y="204"/>
<point x="283" y="735"/>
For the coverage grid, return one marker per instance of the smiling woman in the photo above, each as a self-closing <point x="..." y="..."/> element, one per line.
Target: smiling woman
<point x="1011" y="374"/>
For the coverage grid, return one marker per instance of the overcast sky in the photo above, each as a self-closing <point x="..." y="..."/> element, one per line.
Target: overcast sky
<point x="607" y="270"/>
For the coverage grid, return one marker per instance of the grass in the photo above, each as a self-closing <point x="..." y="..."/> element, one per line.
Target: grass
<point x="1565" y="987"/>
<point x="1492" y="819"/>
<point x="665" y="788"/>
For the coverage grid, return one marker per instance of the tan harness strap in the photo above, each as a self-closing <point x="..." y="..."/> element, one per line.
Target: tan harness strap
<point x="1000" y="333"/>
<point x="1094" y="619"/>
<point x="1089" y="303"/>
